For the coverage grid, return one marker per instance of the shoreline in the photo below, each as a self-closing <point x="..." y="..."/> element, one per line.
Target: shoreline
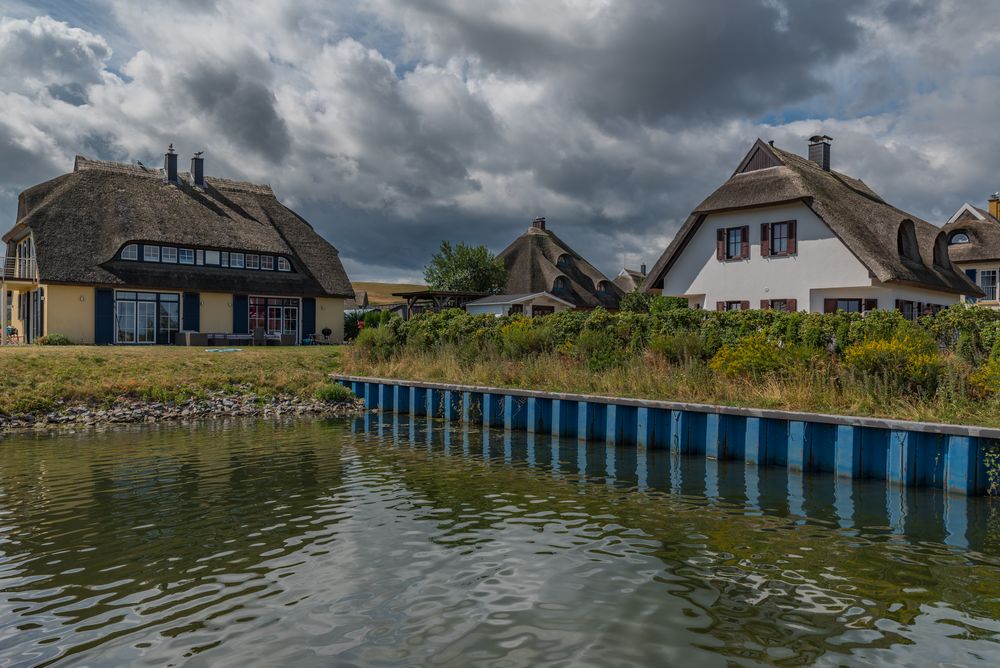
<point x="126" y="410"/>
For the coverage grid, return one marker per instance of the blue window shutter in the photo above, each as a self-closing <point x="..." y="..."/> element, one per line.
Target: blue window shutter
<point x="192" y="311"/>
<point x="104" y="317"/>
<point x="241" y="314"/>
<point x="971" y="273"/>
<point x="308" y="317"/>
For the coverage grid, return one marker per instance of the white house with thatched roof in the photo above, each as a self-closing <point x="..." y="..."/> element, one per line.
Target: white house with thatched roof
<point x="114" y="253"/>
<point x="974" y="246"/>
<point x="789" y="233"/>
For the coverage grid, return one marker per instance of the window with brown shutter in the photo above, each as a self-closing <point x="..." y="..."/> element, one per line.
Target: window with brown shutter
<point x="720" y="244"/>
<point x="829" y="306"/>
<point x="765" y="304"/>
<point x="765" y="235"/>
<point x="793" y="305"/>
<point x="720" y="306"/>
<point x="745" y="242"/>
<point x="871" y="304"/>
<point x="777" y="239"/>
<point x="793" y="245"/>
<point x="744" y="306"/>
<point x="732" y="243"/>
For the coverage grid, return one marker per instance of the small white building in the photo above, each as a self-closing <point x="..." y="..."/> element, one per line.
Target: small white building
<point x="974" y="247"/>
<point x="537" y="304"/>
<point x="788" y="233"/>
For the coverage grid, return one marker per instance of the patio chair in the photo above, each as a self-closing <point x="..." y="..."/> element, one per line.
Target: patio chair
<point x="259" y="336"/>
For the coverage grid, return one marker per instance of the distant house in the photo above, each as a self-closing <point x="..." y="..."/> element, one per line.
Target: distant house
<point x="974" y="246"/>
<point x="540" y="262"/>
<point x="629" y="280"/>
<point x="789" y="233"/>
<point x="538" y="304"/>
<point x="357" y="303"/>
<point x="114" y="253"/>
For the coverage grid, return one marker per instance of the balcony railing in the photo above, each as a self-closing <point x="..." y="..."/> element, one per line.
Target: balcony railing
<point x="18" y="269"/>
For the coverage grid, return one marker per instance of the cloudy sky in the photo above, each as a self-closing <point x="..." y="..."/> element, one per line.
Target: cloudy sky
<point x="393" y="125"/>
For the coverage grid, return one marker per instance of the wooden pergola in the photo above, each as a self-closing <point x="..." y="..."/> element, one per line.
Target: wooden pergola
<point x="437" y="300"/>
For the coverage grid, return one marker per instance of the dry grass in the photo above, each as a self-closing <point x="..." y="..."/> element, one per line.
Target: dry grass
<point x="649" y="377"/>
<point x="381" y="293"/>
<point x="37" y="378"/>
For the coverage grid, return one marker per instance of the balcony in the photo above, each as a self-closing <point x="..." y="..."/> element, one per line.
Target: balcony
<point x="18" y="270"/>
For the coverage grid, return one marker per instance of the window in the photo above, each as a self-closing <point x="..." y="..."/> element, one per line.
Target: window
<point x="236" y="260"/>
<point x="778" y="239"/>
<point x="151" y="253"/>
<point x="284" y="265"/>
<point x="186" y="256"/>
<point x="267" y="262"/>
<point x="734" y="306"/>
<point x="604" y="287"/>
<point x="732" y="243"/>
<point x="130" y="252"/>
<point x="906" y="241"/>
<point x="988" y="282"/>
<point x="517" y="309"/>
<point x="224" y="258"/>
<point x="959" y="237"/>
<point x="212" y="257"/>
<point x="563" y="261"/>
<point x="849" y="305"/>
<point x="169" y="254"/>
<point x="781" y="305"/>
<point x="199" y="256"/>
<point x="561" y="283"/>
<point x="146" y="317"/>
<point x="253" y="261"/>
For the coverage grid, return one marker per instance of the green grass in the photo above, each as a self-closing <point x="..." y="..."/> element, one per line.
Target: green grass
<point x="821" y="389"/>
<point x="36" y="379"/>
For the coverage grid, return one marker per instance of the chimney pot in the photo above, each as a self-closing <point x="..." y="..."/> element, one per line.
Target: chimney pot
<point x="819" y="150"/>
<point x="994" y="205"/>
<point x="538" y="223"/>
<point x="170" y="165"/>
<point x="642" y="269"/>
<point x="198" y="170"/>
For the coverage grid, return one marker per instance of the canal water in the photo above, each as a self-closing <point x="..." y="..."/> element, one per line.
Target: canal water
<point x="396" y="541"/>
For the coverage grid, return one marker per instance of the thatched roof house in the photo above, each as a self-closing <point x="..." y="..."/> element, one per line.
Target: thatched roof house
<point x="539" y="261"/>
<point x="974" y="246"/>
<point x="121" y="227"/>
<point x="629" y="280"/>
<point x="878" y="245"/>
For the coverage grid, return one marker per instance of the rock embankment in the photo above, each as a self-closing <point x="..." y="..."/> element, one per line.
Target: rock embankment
<point x="214" y="404"/>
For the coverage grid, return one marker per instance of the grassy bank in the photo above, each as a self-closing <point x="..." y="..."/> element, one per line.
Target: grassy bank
<point x="945" y="369"/>
<point x="37" y="378"/>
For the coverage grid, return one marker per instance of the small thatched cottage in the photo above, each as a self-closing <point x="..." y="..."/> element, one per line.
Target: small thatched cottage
<point x="123" y="254"/>
<point x="629" y="280"/>
<point x="538" y="262"/>
<point x="974" y="246"/>
<point x="789" y="233"/>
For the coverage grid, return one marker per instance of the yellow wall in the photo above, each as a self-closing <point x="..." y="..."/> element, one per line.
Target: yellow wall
<point x="330" y="313"/>
<point x="216" y="312"/>
<point x="69" y="310"/>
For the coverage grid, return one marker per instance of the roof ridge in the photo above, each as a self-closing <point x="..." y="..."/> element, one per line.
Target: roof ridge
<point x="83" y="163"/>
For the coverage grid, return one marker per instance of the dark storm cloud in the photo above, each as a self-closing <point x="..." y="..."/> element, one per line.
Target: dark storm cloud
<point x="243" y="109"/>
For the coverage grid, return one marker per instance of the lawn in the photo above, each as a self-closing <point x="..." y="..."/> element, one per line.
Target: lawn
<point x="38" y="378"/>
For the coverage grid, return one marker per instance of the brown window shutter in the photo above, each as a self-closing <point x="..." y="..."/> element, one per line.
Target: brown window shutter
<point x="793" y="305"/>
<point x="829" y="306"/>
<point x="765" y="304"/>
<point x="744" y="306"/>
<point x="720" y="244"/>
<point x="765" y="239"/>
<point x="871" y="304"/>
<point x="745" y="245"/>
<point x="899" y="304"/>
<point x="720" y="306"/>
<point x="792" y="245"/>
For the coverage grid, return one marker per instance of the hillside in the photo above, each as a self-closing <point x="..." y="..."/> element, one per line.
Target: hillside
<point x="381" y="293"/>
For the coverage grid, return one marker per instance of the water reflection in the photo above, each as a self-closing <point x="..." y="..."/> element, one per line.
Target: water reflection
<point x="395" y="540"/>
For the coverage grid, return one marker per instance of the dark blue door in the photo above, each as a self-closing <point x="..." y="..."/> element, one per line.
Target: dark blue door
<point x="104" y="317"/>
<point x="192" y="311"/>
<point x="241" y="314"/>
<point x="308" y="317"/>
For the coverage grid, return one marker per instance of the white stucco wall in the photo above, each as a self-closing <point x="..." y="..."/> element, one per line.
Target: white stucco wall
<point x="481" y="309"/>
<point x="821" y="268"/>
<point x="979" y="266"/>
<point x="504" y="309"/>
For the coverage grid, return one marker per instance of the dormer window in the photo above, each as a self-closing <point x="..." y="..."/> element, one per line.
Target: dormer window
<point x="604" y="287"/>
<point x="959" y="237"/>
<point x="150" y="253"/>
<point x="284" y="265"/>
<point x="130" y="252"/>
<point x="906" y="242"/>
<point x="186" y="255"/>
<point x="267" y="262"/>
<point x="253" y="261"/>
<point x="561" y="283"/>
<point x="236" y="260"/>
<point x="941" y="251"/>
<point x="563" y="261"/>
<point x="168" y="254"/>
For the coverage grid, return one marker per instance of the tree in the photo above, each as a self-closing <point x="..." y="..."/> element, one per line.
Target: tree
<point x="465" y="268"/>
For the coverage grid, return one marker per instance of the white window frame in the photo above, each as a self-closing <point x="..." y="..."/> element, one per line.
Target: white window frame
<point x="148" y="255"/>
<point x="284" y="264"/>
<point x="267" y="263"/>
<point x="990" y="288"/>
<point x="236" y="260"/>
<point x="182" y="252"/>
<point x="168" y="254"/>
<point x="253" y="261"/>
<point x="199" y="257"/>
<point x="212" y="258"/>
<point x="224" y="259"/>
<point x="130" y="252"/>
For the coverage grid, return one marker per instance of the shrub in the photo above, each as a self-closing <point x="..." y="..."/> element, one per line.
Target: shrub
<point x="600" y="350"/>
<point x="754" y="356"/>
<point x="53" y="340"/>
<point x="680" y="348"/>
<point x="900" y="363"/>
<point x="334" y="394"/>
<point x="521" y="336"/>
<point x="378" y="344"/>
<point x="351" y="327"/>
<point x="986" y="379"/>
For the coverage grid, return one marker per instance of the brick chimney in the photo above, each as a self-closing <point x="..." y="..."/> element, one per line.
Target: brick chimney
<point x="198" y="170"/>
<point x="994" y="205"/>
<point x="819" y="150"/>
<point x="170" y="165"/>
<point x="538" y="223"/>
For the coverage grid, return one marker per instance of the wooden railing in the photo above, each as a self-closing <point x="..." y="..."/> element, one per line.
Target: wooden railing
<point x="13" y="268"/>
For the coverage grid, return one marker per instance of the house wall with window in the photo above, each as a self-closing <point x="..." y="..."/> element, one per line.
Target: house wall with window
<point x="986" y="275"/>
<point x="819" y="261"/>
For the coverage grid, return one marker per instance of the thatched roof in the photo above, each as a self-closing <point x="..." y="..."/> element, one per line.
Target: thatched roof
<point x="984" y="235"/>
<point x="628" y="280"/>
<point x="866" y="224"/>
<point x="360" y="300"/>
<point x="80" y="220"/>
<point x="532" y="263"/>
<point x="504" y="299"/>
